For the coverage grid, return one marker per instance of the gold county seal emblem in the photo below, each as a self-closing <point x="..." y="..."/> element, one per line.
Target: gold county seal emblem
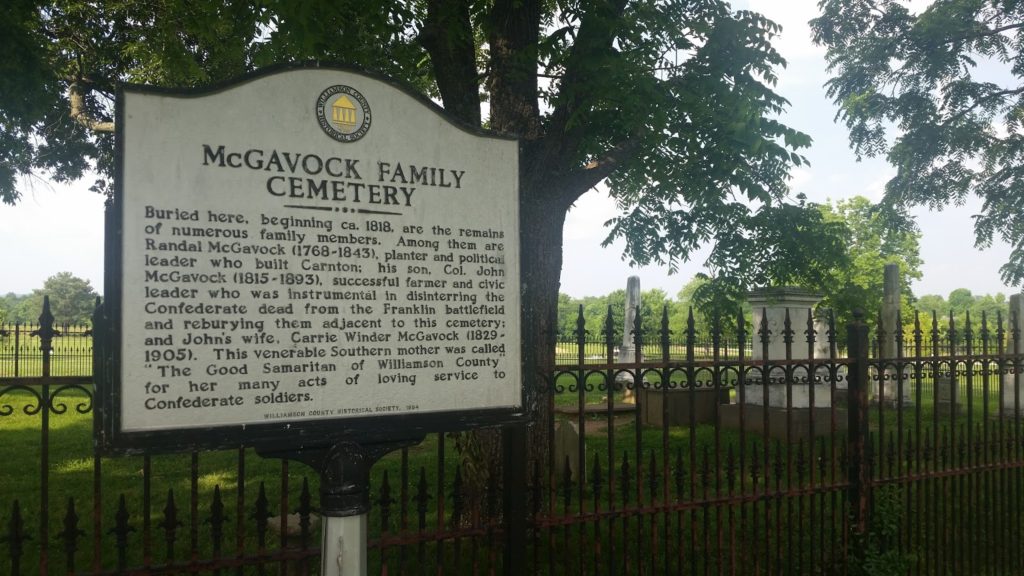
<point x="343" y="113"/>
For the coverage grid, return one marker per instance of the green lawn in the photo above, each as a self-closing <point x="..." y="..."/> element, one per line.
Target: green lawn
<point x="71" y="467"/>
<point x="703" y="463"/>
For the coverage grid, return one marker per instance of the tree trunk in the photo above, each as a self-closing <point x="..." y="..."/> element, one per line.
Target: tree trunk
<point x="447" y="35"/>
<point x="541" y="223"/>
<point x="513" y="29"/>
<point x="484" y="454"/>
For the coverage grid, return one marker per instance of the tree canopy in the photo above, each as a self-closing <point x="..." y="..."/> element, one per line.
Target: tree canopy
<point x="72" y="300"/>
<point x="939" y="92"/>
<point x="960" y="306"/>
<point x="870" y="246"/>
<point x="861" y="245"/>
<point x="669" y="102"/>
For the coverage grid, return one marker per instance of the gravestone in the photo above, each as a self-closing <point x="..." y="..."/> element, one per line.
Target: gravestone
<point x="1012" y="397"/>
<point x="291" y="538"/>
<point x="628" y="353"/>
<point x="786" y="402"/>
<point x="671" y="407"/>
<point x="661" y="407"/>
<point x="887" y="388"/>
<point x="945" y="390"/>
<point x="567" y="439"/>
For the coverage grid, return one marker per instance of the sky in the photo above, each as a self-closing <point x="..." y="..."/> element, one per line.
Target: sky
<point x="57" y="228"/>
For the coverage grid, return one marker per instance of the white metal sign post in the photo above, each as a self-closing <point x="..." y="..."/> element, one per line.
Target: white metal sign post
<point x="345" y="542"/>
<point x="344" y="501"/>
<point x="312" y="261"/>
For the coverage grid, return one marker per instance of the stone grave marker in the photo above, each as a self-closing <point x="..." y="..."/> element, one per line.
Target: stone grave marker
<point x="787" y="401"/>
<point x="567" y="438"/>
<point x="1012" y="382"/>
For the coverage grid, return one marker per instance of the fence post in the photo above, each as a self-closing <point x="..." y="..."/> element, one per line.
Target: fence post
<point x="17" y="349"/>
<point x="858" y="472"/>
<point x="99" y="343"/>
<point x="45" y="334"/>
<point x="514" y="464"/>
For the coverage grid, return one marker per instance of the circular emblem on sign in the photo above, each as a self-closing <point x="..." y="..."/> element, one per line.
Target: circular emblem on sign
<point x="343" y="113"/>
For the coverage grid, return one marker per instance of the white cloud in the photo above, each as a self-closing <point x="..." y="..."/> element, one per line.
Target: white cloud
<point x="53" y="228"/>
<point x="875" y="188"/>
<point x="587" y="216"/>
<point x="800" y="179"/>
<point x="794" y="42"/>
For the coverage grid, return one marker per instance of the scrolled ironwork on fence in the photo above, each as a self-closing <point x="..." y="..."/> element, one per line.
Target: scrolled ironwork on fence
<point x="703" y="455"/>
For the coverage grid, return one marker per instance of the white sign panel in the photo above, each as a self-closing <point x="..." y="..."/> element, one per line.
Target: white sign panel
<point x="313" y="244"/>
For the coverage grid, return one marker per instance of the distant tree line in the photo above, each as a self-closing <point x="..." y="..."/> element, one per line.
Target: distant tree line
<point x="960" y="306"/>
<point x="72" y="300"/>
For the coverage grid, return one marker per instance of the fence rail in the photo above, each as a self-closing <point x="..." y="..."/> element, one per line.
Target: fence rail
<point x="693" y="460"/>
<point x="21" y="356"/>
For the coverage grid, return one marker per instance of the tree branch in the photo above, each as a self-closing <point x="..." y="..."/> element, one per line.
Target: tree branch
<point x="513" y="35"/>
<point x="980" y="101"/>
<point x="447" y="36"/>
<point x="594" y="41"/>
<point x="984" y="33"/>
<point x="558" y="151"/>
<point x="76" y="100"/>
<point x="578" y="181"/>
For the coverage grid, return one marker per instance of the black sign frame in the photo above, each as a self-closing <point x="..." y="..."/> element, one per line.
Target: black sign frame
<point x="279" y="435"/>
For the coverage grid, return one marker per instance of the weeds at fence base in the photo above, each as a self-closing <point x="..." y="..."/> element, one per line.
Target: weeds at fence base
<point x="875" y="553"/>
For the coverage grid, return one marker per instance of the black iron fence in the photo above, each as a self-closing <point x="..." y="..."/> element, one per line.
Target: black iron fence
<point x="20" y="355"/>
<point x="693" y="460"/>
<point x="826" y="459"/>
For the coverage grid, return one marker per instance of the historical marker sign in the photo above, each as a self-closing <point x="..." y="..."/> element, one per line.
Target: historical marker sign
<point x="306" y="253"/>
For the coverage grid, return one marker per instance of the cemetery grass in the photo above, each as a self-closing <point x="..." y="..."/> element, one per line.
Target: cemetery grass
<point x="891" y="430"/>
<point x="71" y="469"/>
<point x="71" y="472"/>
<point x="71" y="356"/>
<point x="597" y="353"/>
